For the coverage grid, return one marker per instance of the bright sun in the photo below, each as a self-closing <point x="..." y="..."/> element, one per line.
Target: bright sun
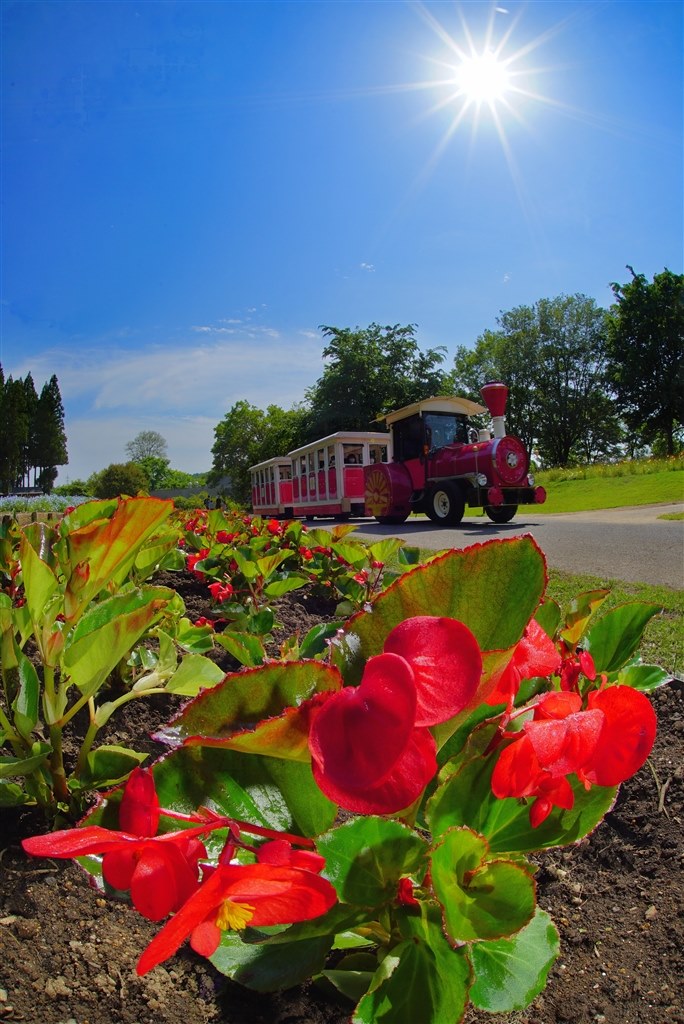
<point x="483" y="78"/>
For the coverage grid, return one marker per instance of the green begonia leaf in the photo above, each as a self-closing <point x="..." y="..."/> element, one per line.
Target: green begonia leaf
<point x="263" y="790"/>
<point x="245" y="647"/>
<point x="646" y="678"/>
<point x="25" y="706"/>
<point x="510" y="973"/>
<point x="421" y="979"/>
<point x="194" y="673"/>
<point x="482" y="898"/>
<point x="582" y="609"/>
<point x="617" y="635"/>
<point x="11" y="766"/>
<point x="12" y="795"/>
<point x="366" y="857"/>
<point x="107" y="632"/>
<point x="109" y="765"/>
<point x="268" y="968"/>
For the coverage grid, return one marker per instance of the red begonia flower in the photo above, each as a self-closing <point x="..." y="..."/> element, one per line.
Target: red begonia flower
<point x="405" y="895"/>
<point x="371" y="750"/>
<point x="518" y="773"/>
<point x="192" y="560"/>
<point x="359" y="733"/>
<point x="627" y="736"/>
<point x="407" y="779"/>
<point x="160" y="871"/>
<point x="446" y="663"/>
<point x="139" y="808"/>
<point x="534" y="655"/>
<point x="233" y="896"/>
<point x="220" y="591"/>
<point x="575" y="665"/>
<point x="282" y="853"/>
<point x="603" y="745"/>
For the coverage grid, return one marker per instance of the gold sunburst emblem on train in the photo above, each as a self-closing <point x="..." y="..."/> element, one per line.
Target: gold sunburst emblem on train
<point x="378" y="493"/>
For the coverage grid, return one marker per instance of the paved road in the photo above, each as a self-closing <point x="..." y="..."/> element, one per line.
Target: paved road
<point x="623" y="543"/>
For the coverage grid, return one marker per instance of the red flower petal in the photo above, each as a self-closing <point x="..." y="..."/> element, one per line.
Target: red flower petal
<point x="162" y="881"/>
<point x="517" y="770"/>
<point x="139" y="809"/>
<point x="627" y="736"/>
<point x="279" y="895"/>
<point x="564" y="746"/>
<point x="534" y="655"/>
<point x="446" y="662"/>
<point x="357" y="735"/>
<point x="76" y="842"/>
<point x="205" y="938"/>
<point x="280" y="851"/>
<point x="118" y="866"/>
<point x="397" y="790"/>
<point x="557" y="705"/>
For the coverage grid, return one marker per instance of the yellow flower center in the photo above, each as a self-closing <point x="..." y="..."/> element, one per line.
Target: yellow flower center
<point x="234" y="916"/>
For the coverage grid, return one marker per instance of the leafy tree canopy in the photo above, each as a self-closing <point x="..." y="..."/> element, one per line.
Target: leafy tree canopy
<point x="147" y="444"/>
<point x="247" y="435"/>
<point x="368" y="373"/>
<point x="646" y="356"/>
<point x="552" y="356"/>
<point x="127" y="478"/>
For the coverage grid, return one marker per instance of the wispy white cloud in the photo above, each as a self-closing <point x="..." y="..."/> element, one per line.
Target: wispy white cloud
<point x="368" y="267"/>
<point x="181" y="390"/>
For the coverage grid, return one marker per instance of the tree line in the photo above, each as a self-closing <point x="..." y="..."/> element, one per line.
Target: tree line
<point x="586" y="384"/>
<point x="33" y="442"/>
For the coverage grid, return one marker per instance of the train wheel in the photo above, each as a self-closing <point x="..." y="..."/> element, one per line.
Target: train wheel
<point x="446" y="505"/>
<point x="393" y="520"/>
<point x="501" y="513"/>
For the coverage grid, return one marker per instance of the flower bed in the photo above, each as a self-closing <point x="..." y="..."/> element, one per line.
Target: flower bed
<point x="435" y="876"/>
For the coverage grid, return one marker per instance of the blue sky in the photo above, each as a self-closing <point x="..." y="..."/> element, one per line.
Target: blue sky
<point x="190" y="189"/>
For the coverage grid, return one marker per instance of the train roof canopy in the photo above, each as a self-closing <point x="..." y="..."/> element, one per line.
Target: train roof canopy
<point x="348" y="436"/>
<point x="277" y="460"/>
<point x="443" y="403"/>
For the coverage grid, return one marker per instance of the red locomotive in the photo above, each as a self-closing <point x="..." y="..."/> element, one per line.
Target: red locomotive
<point x="433" y="461"/>
<point x="440" y="463"/>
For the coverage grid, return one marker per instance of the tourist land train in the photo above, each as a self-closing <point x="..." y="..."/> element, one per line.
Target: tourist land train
<point x="433" y="460"/>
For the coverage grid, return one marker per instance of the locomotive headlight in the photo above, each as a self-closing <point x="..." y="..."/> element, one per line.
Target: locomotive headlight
<point x="481" y="480"/>
<point x="530" y="479"/>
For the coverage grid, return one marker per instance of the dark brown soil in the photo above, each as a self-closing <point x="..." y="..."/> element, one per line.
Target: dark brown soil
<point x="67" y="956"/>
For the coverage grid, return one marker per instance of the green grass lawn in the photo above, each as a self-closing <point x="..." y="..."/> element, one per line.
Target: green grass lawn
<point x="572" y="494"/>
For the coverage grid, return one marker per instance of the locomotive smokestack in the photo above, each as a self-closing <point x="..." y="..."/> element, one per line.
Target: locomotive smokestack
<point x="494" y="394"/>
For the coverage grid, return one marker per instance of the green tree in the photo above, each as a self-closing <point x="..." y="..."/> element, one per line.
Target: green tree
<point x="50" y="436"/>
<point x="368" y="373"/>
<point x="646" y="356"/>
<point x="155" y="469"/>
<point x="147" y="444"/>
<point x="552" y="356"/>
<point x="14" y="430"/>
<point x="119" y="478"/>
<point x="247" y="435"/>
<point x="32" y="450"/>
